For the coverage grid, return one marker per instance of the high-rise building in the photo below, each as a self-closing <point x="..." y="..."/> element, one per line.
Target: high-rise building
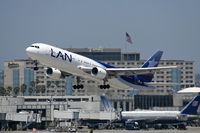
<point x="20" y="76"/>
<point x="1" y="78"/>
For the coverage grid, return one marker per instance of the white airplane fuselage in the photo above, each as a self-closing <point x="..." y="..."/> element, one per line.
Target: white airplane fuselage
<point x="68" y="62"/>
<point x="62" y="63"/>
<point x="151" y="115"/>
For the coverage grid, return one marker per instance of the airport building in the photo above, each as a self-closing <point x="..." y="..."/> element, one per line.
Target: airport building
<point x="51" y="109"/>
<point x="45" y="110"/>
<point x="20" y="77"/>
<point x="197" y="82"/>
<point x="2" y="78"/>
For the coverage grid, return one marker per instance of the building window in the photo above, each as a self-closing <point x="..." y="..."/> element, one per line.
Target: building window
<point x="127" y="106"/>
<point x="16" y="79"/>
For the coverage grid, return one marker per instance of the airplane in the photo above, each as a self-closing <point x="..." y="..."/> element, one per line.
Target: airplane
<point x="62" y="63"/>
<point x="188" y="113"/>
<point x="150" y="117"/>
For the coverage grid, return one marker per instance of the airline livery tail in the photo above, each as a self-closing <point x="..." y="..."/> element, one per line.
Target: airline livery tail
<point x="106" y="103"/>
<point x="192" y="107"/>
<point x="139" y="79"/>
<point x="153" y="61"/>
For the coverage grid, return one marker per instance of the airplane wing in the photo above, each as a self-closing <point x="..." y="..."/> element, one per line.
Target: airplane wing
<point x="128" y="71"/>
<point x="135" y="71"/>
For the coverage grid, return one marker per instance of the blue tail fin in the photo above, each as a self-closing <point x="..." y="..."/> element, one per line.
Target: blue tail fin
<point x="153" y="61"/>
<point x="106" y="103"/>
<point x="192" y="107"/>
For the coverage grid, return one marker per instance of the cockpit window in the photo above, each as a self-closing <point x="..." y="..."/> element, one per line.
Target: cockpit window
<point x="35" y="46"/>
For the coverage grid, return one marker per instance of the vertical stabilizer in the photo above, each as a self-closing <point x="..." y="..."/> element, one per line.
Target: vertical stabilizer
<point x="192" y="107"/>
<point x="106" y="103"/>
<point x="153" y="61"/>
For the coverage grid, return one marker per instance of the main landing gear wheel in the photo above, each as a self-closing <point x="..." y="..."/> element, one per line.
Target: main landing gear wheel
<point x="104" y="86"/>
<point x="78" y="86"/>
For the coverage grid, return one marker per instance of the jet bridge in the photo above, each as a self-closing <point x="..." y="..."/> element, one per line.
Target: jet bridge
<point x="23" y="117"/>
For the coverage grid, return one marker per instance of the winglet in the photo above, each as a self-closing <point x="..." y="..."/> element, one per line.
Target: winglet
<point x="192" y="107"/>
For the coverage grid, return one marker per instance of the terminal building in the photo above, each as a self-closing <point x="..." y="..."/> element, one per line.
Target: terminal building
<point x="2" y="78"/>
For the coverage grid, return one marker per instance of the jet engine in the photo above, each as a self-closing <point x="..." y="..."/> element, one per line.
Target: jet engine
<point x="54" y="73"/>
<point x="98" y="72"/>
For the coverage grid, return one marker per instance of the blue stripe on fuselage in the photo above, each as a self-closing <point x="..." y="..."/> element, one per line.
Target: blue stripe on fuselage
<point x="106" y="65"/>
<point x="130" y="79"/>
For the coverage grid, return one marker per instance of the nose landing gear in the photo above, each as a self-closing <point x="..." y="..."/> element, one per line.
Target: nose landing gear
<point x="104" y="86"/>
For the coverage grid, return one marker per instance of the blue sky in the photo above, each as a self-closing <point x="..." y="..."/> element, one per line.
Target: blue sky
<point x="169" y="25"/>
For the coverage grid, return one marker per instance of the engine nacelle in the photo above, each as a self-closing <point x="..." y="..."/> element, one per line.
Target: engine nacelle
<point x="53" y="73"/>
<point x="98" y="72"/>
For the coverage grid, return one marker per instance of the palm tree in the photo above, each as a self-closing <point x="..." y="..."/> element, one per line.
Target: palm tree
<point x="43" y="88"/>
<point x="23" y="89"/>
<point x="37" y="89"/>
<point x="48" y="84"/>
<point x="32" y="88"/>
<point x="16" y="91"/>
<point x="30" y="91"/>
<point x="8" y="90"/>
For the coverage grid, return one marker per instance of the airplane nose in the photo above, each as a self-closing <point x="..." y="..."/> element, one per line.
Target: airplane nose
<point x="28" y="50"/>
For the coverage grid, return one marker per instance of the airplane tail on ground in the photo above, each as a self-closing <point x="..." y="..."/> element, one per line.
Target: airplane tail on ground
<point x="106" y="103"/>
<point x="192" y="107"/>
<point x="153" y="61"/>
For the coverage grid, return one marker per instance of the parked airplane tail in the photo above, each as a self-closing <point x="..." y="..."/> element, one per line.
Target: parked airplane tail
<point x="192" y="107"/>
<point x="106" y="103"/>
<point x="153" y="61"/>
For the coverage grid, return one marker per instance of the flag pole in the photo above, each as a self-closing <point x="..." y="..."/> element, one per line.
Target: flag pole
<point x="125" y="47"/>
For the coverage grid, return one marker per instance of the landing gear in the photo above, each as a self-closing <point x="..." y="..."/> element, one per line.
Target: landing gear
<point x="78" y="86"/>
<point x="104" y="86"/>
<point x="36" y="65"/>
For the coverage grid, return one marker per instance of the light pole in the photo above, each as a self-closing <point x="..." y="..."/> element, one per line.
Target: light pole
<point x="51" y="108"/>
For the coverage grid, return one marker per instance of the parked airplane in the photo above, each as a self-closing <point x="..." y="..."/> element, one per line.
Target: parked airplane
<point x="62" y="63"/>
<point x="133" y="119"/>
<point x="188" y="113"/>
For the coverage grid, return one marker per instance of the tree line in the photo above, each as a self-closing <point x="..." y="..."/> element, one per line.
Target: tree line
<point x="33" y="89"/>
